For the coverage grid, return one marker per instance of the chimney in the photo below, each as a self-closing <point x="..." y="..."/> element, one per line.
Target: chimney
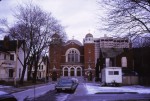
<point x="6" y="42"/>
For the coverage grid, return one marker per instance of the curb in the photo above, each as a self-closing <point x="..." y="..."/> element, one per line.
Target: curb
<point x="116" y="93"/>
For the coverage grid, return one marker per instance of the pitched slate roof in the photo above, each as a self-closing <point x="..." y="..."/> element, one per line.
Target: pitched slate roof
<point x="10" y="45"/>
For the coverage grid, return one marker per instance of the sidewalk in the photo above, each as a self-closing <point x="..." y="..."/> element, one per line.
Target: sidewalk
<point x="95" y="88"/>
<point x="11" y="89"/>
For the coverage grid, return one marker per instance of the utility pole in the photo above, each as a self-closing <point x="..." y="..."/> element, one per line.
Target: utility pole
<point x="15" y="76"/>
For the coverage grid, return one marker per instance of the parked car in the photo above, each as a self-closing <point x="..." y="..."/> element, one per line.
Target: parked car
<point x="66" y="85"/>
<point x="75" y="80"/>
<point x="6" y="97"/>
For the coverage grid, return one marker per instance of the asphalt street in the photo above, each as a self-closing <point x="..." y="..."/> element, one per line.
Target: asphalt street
<point x="81" y="94"/>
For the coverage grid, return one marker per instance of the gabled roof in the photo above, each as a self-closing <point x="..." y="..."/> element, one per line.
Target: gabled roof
<point x="55" y="35"/>
<point x="10" y="45"/>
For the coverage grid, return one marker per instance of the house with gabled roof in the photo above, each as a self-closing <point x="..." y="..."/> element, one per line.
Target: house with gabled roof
<point x="11" y="66"/>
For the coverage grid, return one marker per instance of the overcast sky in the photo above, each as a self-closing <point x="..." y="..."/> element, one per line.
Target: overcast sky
<point x="78" y="16"/>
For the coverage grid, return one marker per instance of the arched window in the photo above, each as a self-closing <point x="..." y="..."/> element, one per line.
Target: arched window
<point x="65" y="71"/>
<point x="78" y="71"/>
<point x="72" y="55"/>
<point x="72" y="71"/>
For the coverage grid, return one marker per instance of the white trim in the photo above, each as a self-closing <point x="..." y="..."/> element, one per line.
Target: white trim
<point x="64" y="70"/>
<point x="69" y="70"/>
<point x="80" y="70"/>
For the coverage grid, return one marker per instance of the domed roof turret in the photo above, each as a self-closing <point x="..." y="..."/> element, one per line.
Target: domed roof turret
<point x="55" y="35"/>
<point x="56" y="39"/>
<point x="74" y="41"/>
<point x="88" y="35"/>
<point x="88" y="38"/>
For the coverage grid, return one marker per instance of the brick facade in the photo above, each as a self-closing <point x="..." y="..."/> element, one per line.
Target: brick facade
<point x="74" y="59"/>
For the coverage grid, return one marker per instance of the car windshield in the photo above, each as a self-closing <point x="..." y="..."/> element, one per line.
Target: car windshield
<point x="65" y="81"/>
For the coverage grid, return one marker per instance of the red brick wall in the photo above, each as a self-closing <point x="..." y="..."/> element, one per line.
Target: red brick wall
<point x="65" y="48"/>
<point x="55" y="57"/>
<point x="89" y="55"/>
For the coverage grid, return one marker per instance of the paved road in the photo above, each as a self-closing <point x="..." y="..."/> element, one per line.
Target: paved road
<point x="110" y="97"/>
<point x="34" y="92"/>
<point x="81" y="94"/>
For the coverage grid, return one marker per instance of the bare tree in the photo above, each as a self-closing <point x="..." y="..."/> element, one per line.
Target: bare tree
<point x="141" y="41"/>
<point x="35" y="27"/>
<point x="127" y="16"/>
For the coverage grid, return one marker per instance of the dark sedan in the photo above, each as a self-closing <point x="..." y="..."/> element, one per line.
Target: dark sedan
<point x="66" y="85"/>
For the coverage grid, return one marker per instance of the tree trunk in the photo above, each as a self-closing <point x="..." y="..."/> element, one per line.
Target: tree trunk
<point x="23" y="73"/>
<point x="35" y="67"/>
<point x="30" y="70"/>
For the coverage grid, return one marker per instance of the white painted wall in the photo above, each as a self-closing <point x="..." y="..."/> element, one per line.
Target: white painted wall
<point x="107" y="78"/>
<point x="124" y="62"/>
<point x="12" y="64"/>
<point x="107" y="62"/>
<point x="19" y="65"/>
<point x="4" y="70"/>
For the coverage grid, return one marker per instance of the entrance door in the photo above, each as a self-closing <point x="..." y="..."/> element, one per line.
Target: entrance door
<point x="65" y="71"/>
<point x="78" y="71"/>
<point x="72" y="72"/>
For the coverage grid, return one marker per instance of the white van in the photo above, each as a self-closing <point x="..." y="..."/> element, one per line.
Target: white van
<point x="112" y="76"/>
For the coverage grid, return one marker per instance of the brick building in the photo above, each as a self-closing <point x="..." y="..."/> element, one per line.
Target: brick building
<point x="74" y="59"/>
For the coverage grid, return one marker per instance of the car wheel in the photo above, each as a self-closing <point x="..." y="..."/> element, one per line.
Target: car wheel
<point x="57" y="90"/>
<point x="72" y="91"/>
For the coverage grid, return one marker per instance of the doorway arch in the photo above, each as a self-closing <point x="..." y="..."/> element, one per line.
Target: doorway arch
<point x="72" y="70"/>
<point x="78" y="71"/>
<point x="65" y="71"/>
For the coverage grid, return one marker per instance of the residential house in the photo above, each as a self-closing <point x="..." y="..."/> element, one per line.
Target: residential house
<point x="42" y="70"/>
<point x="11" y="66"/>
